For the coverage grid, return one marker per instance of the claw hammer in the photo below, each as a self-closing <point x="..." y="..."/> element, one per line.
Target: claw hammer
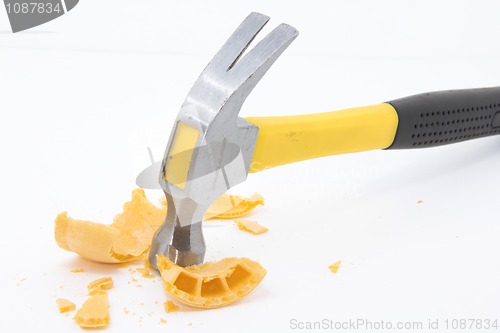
<point x="211" y="148"/>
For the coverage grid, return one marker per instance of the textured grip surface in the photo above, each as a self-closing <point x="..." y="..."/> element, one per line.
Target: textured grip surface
<point x="443" y="117"/>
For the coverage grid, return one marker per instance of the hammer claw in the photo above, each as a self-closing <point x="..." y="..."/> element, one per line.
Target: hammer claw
<point x="265" y="53"/>
<point x="238" y="42"/>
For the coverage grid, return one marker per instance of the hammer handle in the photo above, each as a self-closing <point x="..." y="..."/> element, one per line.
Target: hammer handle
<point x="425" y="120"/>
<point x="286" y="139"/>
<point x="444" y="117"/>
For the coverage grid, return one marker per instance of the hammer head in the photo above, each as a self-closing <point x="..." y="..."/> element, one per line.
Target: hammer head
<point x="210" y="147"/>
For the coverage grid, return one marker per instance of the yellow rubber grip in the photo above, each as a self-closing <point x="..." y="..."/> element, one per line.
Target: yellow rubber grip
<point x="288" y="139"/>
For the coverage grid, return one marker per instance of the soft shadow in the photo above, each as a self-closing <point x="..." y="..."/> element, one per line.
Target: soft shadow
<point x="26" y="32"/>
<point x="96" y="267"/>
<point x="434" y="167"/>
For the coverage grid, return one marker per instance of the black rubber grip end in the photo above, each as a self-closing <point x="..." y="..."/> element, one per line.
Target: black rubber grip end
<point x="444" y="117"/>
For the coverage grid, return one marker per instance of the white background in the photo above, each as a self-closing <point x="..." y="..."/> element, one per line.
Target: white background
<point x="83" y="96"/>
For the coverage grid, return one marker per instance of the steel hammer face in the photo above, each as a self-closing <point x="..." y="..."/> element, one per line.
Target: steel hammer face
<point x="210" y="147"/>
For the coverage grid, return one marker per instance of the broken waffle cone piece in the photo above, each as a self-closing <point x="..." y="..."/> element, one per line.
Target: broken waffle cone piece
<point x="212" y="284"/>
<point x="250" y="226"/>
<point x="65" y="305"/>
<point x="94" y="312"/>
<point x="90" y="240"/>
<point x="97" y="286"/>
<point x="127" y="238"/>
<point x="231" y="206"/>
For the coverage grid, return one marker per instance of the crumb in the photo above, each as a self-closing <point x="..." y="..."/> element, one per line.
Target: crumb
<point x="77" y="270"/>
<point x="419" y="201"/>
<point x="170" y="306"/>
<point x="146" y="270"/>
<point x="190" y="324"/>
<point x="64" y="305"/>
<point x="162" y="321"/>
<point x="99" y="285"/>
<point x="250" y="226"/>
<point x="145" y="273"/>
<point x="94" y="312"/>
<point x="335" y="266"/>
